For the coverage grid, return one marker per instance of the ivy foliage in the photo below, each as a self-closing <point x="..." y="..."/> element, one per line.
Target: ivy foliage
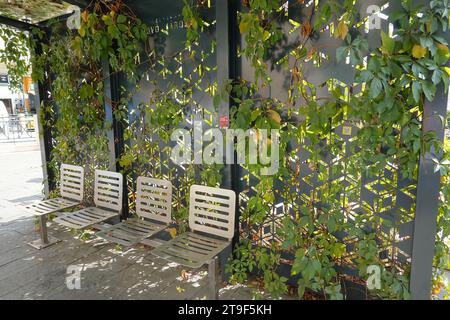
<point x="76" y="63"/>
<point x="15" y="55"/>
<point x="395" y="81"/>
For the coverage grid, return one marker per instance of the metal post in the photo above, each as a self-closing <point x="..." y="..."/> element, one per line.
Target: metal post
<point x="223" y="75"/>
<point x="45" y="240"/>
<point x="213" y="275"/>
<point x="43" y="229"/>
<point x="45" y="133"/>
<point x="118" y="133"/>
<point x="109" y="117"/>
<point x="227" y="68"/>
<point x="223" y="57"/>
<point x="428" y="185"/>
<point x="235" y="72"/>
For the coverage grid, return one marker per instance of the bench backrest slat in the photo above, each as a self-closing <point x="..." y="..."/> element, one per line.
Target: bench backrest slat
<point x="154" y="199"/>
<point x="108" y="190"/>
<point x="212" y="210"/>
<point x="72" y="182"/>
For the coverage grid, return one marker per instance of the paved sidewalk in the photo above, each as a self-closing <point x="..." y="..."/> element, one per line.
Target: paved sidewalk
<point x="106" y="273"/>
<point x="20" y="177"/>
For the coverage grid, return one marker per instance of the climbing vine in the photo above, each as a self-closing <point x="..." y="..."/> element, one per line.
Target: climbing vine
<point x="396" y="80"/>
<point x="77" y="113"/>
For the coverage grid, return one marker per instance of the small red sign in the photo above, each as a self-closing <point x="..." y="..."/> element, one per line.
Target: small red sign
<point x="224" y="122"/>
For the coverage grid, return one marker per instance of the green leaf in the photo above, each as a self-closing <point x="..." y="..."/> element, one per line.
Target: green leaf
<point x="122" y="27"/>
<point x="442" y="54"/>
<point x="429" y="89"/>
<point x="446" y="80"/>
<point x="86" y="91"/>
<point x="374" y="65"/>
<point x="375" y="88"/>
<point x="301" y="288"/>
<point x="437" y="75"/>
<point x="341" y="54"/>
<point x="121" y="19"/>
<point x="107" y="19"/>
<point x="417" y="90"/>
<point x="388" y="44"/>
<point x="426" y="42"/>
<point x="366" y="76"/>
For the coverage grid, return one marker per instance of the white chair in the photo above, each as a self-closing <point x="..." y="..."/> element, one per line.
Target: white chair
<point x="71" y="190"/>
<point x="108" y="190"/>
<point x="153" y="210"/>
<point x="211" y="215"/>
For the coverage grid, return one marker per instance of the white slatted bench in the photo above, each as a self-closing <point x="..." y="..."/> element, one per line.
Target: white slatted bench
<point x="153" y="210"/>
<point x="211" y="215"/>
<point x="71" y="190"/>
<point x="108" y="190"/>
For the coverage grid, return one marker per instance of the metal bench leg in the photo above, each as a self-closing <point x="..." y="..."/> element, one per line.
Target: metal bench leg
<point x="45" y="240"/>
<point x="213" y="275"/>
<point x="43" y="229"/>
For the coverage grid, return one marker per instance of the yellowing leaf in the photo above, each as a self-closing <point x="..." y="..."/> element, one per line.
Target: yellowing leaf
<point x="76" y="45"/>
<point x="85" y="16"/>
<point x="243" y="27"/>
<point x="180" y="290"/>
<point x="275" y="116"/>
<point x="419" y="52"/>
<point x="194" y="24"/>
<point x="310" y="53"/>
<point x="443" y="47"/>
<point x="172" y="232"/>
<point x="341" y="30"/>
<point x="82" y="32"/>
<point x="184" y="275"/>
<point x="447" y="69"/>
<point x="306" y="29"/>
<point x="126" y="160"/>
